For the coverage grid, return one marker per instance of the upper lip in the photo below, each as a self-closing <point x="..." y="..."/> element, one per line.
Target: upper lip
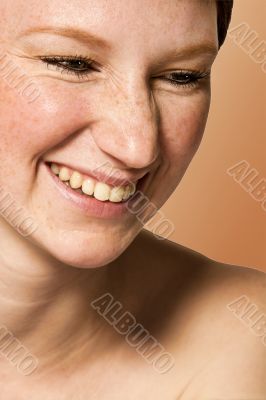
<point x="115" y="178"/>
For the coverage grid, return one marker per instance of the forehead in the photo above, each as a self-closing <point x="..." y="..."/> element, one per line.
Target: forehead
<point x="143" y="21"/>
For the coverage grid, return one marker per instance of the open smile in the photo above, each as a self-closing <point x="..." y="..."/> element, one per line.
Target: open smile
<point x="96" y="198"/>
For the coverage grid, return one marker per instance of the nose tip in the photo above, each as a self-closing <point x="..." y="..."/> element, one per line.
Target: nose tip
<point x="133" y="132"/>
<point x="138" y="146"/>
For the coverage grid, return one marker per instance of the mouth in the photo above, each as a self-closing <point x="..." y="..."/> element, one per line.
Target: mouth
<point x="95" y="197"/>
<point x="92" y="187"/>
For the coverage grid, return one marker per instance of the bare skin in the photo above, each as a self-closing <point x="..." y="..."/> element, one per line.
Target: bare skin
<point x="181" y="298"/>
<point x="129" y="114"/>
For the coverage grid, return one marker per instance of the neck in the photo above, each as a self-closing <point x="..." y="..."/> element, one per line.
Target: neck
<point x="46" y="305"/>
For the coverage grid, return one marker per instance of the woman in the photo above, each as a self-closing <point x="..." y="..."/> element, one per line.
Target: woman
<point x="92" y="305"/>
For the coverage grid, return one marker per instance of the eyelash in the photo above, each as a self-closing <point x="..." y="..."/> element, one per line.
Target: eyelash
<point x="190" y="78"/>
<point x="57" y="60"/>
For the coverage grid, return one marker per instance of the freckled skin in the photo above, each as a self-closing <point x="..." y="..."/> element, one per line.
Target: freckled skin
<point x="120" y="115"/>
<point x="126" y="115"/>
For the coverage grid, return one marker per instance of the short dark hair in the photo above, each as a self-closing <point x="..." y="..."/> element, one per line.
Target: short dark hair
<point x="224" y="13"/>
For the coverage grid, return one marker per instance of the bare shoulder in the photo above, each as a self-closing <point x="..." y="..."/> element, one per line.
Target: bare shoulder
<point x="228" y="277"/>
<point x="239" y="368"/>
<point x="239" y="281"/>
<point x="222" y="311"/>
<point x="236" y="335"/>
<point x="210" y="280"/>
<point x="197" y="282"/>
<point x="231" y="279"/>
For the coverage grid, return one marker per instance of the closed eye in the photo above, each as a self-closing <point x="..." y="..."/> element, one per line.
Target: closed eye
<point x="79" y="66"/>
<point x="83" y="66"/>
<point x="185" y="78"/>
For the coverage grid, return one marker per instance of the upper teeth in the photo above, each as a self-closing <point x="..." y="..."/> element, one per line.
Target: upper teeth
<point x="90" y="186"/>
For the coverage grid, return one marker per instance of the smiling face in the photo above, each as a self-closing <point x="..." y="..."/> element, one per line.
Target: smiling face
<point x="96" y="82"/>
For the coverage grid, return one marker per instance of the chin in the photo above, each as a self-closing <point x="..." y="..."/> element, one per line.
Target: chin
<point x="84" y="249"/>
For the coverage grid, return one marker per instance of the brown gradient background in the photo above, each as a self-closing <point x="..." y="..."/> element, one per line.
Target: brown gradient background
<point x="213" y="214"/>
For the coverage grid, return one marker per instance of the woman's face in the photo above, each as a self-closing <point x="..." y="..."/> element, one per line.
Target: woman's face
<point x="122" y="109"/>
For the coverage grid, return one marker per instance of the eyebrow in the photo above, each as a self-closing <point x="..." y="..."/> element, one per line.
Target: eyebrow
<point x="196" y="49"/>
<point x="74" y="33"/>
<point x="86" y="37"/>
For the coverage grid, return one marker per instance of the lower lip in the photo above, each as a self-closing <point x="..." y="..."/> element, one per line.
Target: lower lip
<point x="89" y="205"/>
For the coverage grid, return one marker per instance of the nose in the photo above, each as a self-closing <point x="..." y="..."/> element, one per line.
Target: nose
<point x="130" y="131"/>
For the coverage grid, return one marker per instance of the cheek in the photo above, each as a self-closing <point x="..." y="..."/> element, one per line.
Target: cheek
<point x="183" y="119"/>
<point x="28" y="129"/>
<point x="183" y="125"/>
